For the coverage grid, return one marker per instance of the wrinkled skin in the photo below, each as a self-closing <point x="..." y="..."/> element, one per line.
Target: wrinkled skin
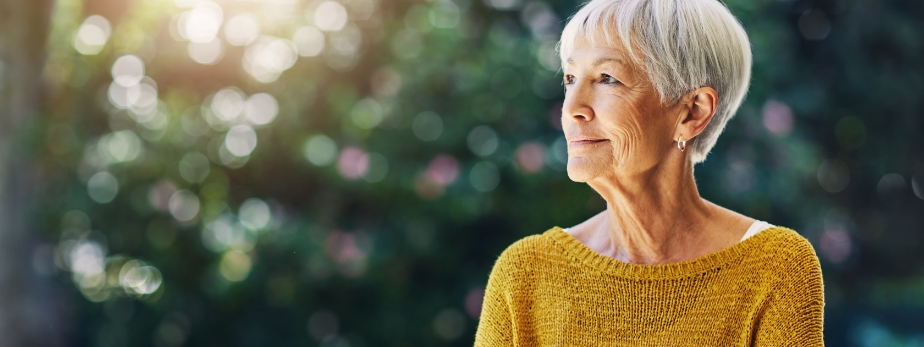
<point x="654" y="212"/>
<point x="607" y="97"/>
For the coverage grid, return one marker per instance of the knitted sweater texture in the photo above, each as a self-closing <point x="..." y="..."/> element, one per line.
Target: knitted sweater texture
<point x="551" y="289"/>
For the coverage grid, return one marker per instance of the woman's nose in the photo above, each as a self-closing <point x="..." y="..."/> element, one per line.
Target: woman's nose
<point x="577" y="104"/>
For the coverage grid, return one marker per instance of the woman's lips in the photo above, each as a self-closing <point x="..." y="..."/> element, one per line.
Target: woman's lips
<point x="585" y="142"/>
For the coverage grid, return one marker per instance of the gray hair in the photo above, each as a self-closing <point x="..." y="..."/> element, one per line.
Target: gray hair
<point x="683" y="44"/>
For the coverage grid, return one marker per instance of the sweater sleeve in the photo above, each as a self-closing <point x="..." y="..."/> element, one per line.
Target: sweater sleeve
<point x="794" y="315"/>
<point x="495" y="324"/>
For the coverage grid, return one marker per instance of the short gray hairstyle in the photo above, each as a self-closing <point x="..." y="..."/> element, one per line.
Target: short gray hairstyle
<point x="683" y="44"/>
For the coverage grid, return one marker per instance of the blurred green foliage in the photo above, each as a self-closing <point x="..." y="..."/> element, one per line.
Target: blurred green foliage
<point x="330" y="173"/>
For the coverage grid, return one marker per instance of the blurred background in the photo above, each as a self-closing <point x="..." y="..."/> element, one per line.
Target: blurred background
<point x="345" y="172"/>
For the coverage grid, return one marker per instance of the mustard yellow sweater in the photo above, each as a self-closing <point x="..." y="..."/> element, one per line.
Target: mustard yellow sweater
<point x="552" y="290"/>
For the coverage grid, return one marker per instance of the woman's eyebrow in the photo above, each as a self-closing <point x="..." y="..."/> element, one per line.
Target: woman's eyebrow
<point x="600" y="61"/>
<point x="604" y="60"/>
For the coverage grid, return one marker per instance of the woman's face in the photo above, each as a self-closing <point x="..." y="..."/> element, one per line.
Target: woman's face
<point x="612" y="102"/>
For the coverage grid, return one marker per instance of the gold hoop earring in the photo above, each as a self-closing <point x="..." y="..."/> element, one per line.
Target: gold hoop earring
<point x="681" y="144"/>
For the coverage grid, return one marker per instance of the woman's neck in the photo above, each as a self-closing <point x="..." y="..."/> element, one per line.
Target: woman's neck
<point x="655" y="217"/>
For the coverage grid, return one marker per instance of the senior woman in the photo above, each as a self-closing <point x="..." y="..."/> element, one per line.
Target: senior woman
<point x="649" y="86"/>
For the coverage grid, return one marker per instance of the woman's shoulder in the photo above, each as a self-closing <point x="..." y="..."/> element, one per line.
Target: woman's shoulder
<point x="787" y="242"/>
<point x="787" y="251"/>
<point x="529" y="247"/>
<point x="790" y="261"/>
<point x="525" y="253"/>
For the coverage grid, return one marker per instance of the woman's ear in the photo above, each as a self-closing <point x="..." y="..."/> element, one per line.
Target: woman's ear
<point x="700" y="107"/>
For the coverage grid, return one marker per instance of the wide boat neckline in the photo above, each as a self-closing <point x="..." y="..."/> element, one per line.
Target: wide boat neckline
<point x="613" y="266"/>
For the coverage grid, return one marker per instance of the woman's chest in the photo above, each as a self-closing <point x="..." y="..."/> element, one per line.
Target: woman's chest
<point x="713" y="309"/>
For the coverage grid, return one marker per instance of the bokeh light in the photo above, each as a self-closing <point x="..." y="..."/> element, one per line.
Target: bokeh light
<point x="254" y="214"/>
<point x="102" y="187"/>
<point x="367" y="113"/>
<point x="98" y="277"/>
<point x="548" y="56"/>
<point x="138" y="278"/>
<point x="206" y="53"/>
<point x="353" y="163"/>
<point x="917" y="184"/>
<point x="309" y="41"/>
<point x="427" y="126"/>
<point x="482" y="140"/>
<point x="350" y="251"/>
<point x="449" y="324"/>
<point x="833" y="175"/>
<point x="406" y="44"/>
<point x="542" y="21"/>
<point x="444" y="14"/>
<point x="777" y="117"/>
<point x="484" y="176"/>
<point x="171" y="333"/>
<point x="386" y="82"/>
<point x="140" y="98"/>
<point x="740" y="176"/>
<point x="159" y="195"/>
<point x="235" y="266"/>
<point x="530" y="157"/>
<point x="226" y="232"/>
<point x="194" y="167"/>
<point x="891" y="188"/>
<point x="120" y="146"/>
<point x="241" y="140"/>
<point x="128" y="70"/>
<point x="814" y="24"/>
<point x="242" y="29"/>
<point x="202" y="23"/>
<point x="473" y="302"/>
<point x="322" y="324"/>
<point x="92" y="35"/>
<point x="443" y="170"/>
<point x="378" y="168"/>
<point x="227" y="104"/>
<point x="320" y="150"/>
<point x="835" y="245"/>
<point x="184" y="205"/>
<point x="186" y="3"/>
<point x="86" y="261"/>
<point x="330" y="16"/>
<point x="260" y="109"/>
<point x="145" y="108"/>
<point x="268" y="57"/>
<point x="502" y="4"/>
<point x="344" y="47"/>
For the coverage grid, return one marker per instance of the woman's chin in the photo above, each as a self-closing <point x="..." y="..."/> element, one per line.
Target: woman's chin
<point x="580" y="171"/>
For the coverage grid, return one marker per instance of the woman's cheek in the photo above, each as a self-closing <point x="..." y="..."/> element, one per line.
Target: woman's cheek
<point x="622" y="145"/>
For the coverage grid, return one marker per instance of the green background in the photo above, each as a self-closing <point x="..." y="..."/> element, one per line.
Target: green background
<point x="447" y="148"/>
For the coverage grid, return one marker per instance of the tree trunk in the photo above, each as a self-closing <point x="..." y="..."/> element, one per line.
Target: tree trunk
<point x="29" y="306"/>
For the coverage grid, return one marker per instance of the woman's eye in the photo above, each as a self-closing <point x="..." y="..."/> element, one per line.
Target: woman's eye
<point x="609" y="79"/>
<point x="569" y="79"/>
